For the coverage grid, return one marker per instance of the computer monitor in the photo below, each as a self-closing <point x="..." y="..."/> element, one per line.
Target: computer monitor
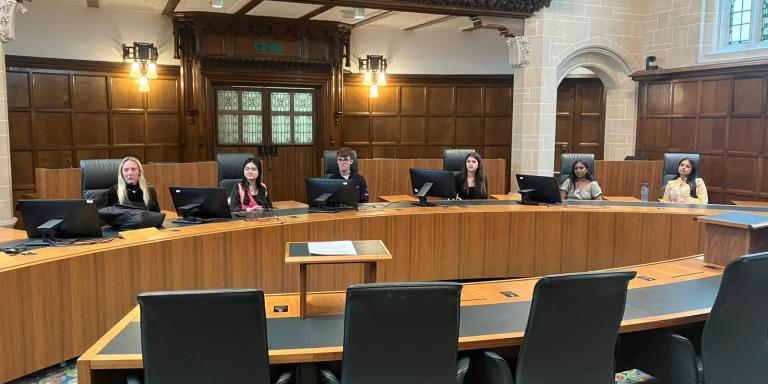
<point x="332" y="194"/>
<point x="52" y="219"/>
<point x="197" y="205"/>
<point x="538" y="189"/>
<point x="432" y="182"/>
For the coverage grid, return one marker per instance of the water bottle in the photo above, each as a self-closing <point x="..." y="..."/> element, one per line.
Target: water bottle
<point x="644" y="192"/>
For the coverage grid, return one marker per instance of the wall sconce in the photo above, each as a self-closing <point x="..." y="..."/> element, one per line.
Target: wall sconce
<point x="374" y="69"/>
<point x="144" y="65"/>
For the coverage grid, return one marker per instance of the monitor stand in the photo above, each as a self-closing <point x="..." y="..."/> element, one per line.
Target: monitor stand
<point x="422" y="195"/>
<point x="188" y="220"/>
<point x="186" y="215"/>
<point x="525" y="199"/>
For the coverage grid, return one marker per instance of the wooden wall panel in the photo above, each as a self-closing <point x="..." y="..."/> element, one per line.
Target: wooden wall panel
<point x="717" y="111"/>
<point x="420" y="116"/>
<point x="63" y="111"/>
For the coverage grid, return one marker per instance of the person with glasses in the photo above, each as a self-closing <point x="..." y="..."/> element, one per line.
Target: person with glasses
<point x="251" y="194"/>
<point x="344" y="161"/>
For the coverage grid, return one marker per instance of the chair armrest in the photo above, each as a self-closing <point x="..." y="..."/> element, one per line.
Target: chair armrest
<point x="327" y="377"/>
<point x="666" y="356"/>
<point x="285" y="378"/>
<point x="461" y="370"/>
<point x="132" y="380"/>
<point x="489" y="368"/>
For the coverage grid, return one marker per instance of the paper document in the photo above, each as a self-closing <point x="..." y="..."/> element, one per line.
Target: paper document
<point x="332" y="248"/>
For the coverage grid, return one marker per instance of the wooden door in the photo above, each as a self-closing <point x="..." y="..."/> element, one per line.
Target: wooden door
<point x="580" y="118"/>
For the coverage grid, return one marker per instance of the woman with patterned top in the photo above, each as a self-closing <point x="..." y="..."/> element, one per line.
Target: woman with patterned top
<point x="687" y="187"/>
<point x="581" y="185"/>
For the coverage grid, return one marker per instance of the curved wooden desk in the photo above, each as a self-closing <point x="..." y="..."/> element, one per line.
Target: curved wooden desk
<point x="58" y="302"/>
<point x="682" y="291"/>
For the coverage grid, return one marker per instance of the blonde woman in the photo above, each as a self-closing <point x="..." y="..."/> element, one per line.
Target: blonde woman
<point x="131" y="189"/>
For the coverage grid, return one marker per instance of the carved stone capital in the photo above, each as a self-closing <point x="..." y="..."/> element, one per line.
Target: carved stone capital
<point x="8" y="10"/>
<point x="519" y="51"/>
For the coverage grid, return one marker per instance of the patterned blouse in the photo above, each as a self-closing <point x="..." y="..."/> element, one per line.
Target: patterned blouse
<point x="677" y="188"/>
<point x="591" y="193"/>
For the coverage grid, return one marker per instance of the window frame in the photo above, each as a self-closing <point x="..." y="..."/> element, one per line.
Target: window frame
<point x="266" y="114"/>
<point x="755" y="33"/>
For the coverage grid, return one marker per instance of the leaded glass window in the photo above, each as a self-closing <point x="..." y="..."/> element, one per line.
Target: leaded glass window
<point x="740" y="21"/>
<point x="240" y="117"/>
<point x="764" y="30"/>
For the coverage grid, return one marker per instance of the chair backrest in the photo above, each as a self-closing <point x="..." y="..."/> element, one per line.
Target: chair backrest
<point x="230" y="169"/>
<point x="634" y="157"/>
<point x="672" y="160"/>
<point x="329" y="162"/>
<point x="212" y="336"/>
<point x="97" y="177"/>
<point x="401" y="333"/>
<point x="573" y="325"/>
<point x="567" y="160"/>
<point x="453" y="159"/>
<point x="734" y="345"/>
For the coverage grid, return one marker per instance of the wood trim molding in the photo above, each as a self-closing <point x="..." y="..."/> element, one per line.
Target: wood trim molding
<point x="318" y="11"/>
<point x="373" y="19"/>
<point x="170" y="7"/>
<point x="429" y="23"/>
<point x="17" y="62"/>
<point x="702" y="70"/>
<point x="501" y="8"/>
<point x="506" y="80"/>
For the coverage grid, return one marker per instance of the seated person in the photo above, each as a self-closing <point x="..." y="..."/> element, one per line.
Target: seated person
<point x="251" y="194"/>
<point x="472" y="182"/>
<point x="131" y="189"/>
<point x="581" y="184"/>
<point x="687" y="187"/>
<point x="344" y="160"/>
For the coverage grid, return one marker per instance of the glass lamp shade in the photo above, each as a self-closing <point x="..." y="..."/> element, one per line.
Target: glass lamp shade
<point x="143" y="84"/>
<point x="367" y="78"/>
<point x="152" y="70"/>
<point x="135" y="70"/>
<point x="374" y="91"/>
<point x="381" y="79"/>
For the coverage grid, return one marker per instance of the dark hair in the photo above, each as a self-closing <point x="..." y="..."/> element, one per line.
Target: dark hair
<point x="573" y="177"/>
<point x="691" y="180"/>
<point x="345" y="152"/>
<point x="262" y="192"/>
<point x="480" y="179"/>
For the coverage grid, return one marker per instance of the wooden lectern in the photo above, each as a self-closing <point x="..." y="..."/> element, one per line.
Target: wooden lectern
<point x="733" y="234"/>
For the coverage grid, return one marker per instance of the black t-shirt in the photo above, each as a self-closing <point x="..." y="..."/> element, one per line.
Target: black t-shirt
<point x="135" y="197"/>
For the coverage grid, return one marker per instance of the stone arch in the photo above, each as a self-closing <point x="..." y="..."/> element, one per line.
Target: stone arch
<point x="613" y="69"/>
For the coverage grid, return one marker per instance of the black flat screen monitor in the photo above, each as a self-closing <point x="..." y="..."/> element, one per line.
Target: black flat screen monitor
<point x="433" y="182"/>
<point x="332" y="194"/>
<point x="197" y="205"/>
<point x="538" y="189"/>
<point x="51" y="219"/>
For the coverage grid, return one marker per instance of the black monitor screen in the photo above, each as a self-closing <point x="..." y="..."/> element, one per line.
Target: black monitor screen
<point x="543" y="189"/>
<point x="443" y="182"/>
<point x="334" y="193"/>
<point x="195" y="204"/>
<point x="61" y="218"/>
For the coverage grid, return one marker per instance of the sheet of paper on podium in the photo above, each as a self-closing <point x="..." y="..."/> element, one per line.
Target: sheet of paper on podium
<point x="332" y="248"/>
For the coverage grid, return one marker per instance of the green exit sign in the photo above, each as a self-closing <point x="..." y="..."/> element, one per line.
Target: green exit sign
<point x="268" y="46"/>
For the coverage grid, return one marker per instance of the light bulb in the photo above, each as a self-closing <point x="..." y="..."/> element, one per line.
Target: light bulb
<point x="381" y="80"/>
<point x="367" y="78"/>
<point x="143" y="84"/>
<point x="374" y="91"/>
<point x="152" y="70"/>
<point x="135" y="70"/>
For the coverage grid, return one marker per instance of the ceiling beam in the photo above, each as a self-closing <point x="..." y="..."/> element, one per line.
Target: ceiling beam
<point x="247" y="8"/>
<point x="423" y="6"/>
<point x="316" y="12"/>
<point x="430" y="23"/>
<point x="93" y="3"/>
<point x="170" y="7"/>
<point x="371" y="19"/>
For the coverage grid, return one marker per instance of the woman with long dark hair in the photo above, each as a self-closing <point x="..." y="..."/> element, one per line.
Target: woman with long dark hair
<point x="472" y="183"/>
<point x="581" y="185"/>
<point x="251" y="194"/>
<point x="687" y="187"/>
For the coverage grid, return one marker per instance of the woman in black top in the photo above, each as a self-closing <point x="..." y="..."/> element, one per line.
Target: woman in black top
<point x="472" y="183"/>
<point x="250" y="194"/>
<point x="131" y="189"/>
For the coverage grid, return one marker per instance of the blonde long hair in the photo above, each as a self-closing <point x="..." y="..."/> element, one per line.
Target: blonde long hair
<point x="122" y="193"/>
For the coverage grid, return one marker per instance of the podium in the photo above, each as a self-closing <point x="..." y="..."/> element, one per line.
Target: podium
<point x="368" y="252"/>
<point x="733" y="234"/>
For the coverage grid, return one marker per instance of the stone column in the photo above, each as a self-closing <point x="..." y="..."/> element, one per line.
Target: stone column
<point x="8" y="9"/>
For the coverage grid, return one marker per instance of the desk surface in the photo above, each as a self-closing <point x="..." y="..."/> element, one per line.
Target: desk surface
<point x="682" y="291"/>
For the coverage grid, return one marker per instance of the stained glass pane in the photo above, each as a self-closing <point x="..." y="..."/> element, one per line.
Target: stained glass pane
<point x="228" y="129"/>
<point x="764" y="32"/>
<point x="302" y="102"/>
<point x="252" y="129"/>
<point x="303" y="129"/>
<point x="227" y="100"/>
<point x="281" y="102"/>
<point x="740" y="22"/>
<point x="281" y="129"/>
<point x="252" y="101"/>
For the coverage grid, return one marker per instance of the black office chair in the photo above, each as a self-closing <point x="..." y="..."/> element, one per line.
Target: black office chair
<point x="671" y="161"/>
<point x="401" y="333"/>
<point x="633" y="158"/>
<point x="330" y="166"/>
<point x="97" y="177"/>
<point x="453" y="159"/>
<point x="572" y="327"/>
<point x="209" y="336"/>
<point x="734" y="348"/>
<point x="230" y="169"/>
<point x="567" y="160"/>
